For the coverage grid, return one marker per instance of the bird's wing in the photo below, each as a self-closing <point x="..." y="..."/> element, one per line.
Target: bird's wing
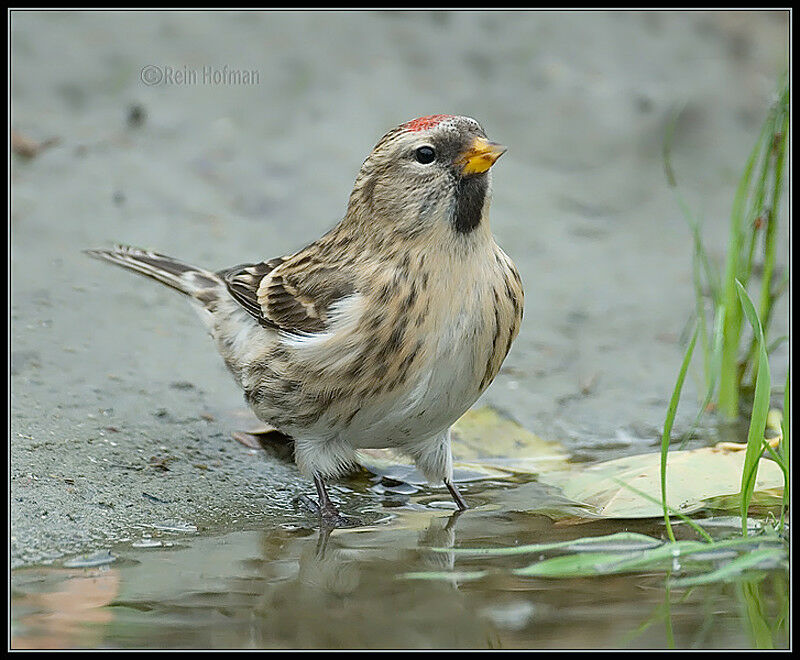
<point x="243" y="281"/>
<point x="288" y="294"/>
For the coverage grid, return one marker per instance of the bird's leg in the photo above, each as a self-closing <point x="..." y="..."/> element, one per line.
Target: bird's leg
<point x="459" y="500"/>
<point x="326" y="507"/>
<point x="329" y="515"/>
<point x="434" y="458"/>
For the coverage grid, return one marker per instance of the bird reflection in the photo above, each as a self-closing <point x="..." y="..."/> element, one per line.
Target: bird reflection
<point x="340" y="589"/>
<point x="441" y="533"/>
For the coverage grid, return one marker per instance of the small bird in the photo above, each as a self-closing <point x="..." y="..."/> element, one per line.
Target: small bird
<point x="384" y="331"/>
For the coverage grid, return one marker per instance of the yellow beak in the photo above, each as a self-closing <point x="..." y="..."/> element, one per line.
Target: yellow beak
<point x="480" y="156"/>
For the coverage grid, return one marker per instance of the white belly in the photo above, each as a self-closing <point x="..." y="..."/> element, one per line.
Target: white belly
<point x="445" y="388"/>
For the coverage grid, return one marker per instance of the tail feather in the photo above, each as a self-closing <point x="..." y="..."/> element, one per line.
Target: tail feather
<point x="189" y="280"/>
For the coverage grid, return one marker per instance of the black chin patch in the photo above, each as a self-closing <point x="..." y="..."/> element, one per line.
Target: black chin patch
<point x="470" y="194"/>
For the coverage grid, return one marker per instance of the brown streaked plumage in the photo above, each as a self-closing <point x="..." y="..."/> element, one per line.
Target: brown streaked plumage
<point x="384" y="331"/>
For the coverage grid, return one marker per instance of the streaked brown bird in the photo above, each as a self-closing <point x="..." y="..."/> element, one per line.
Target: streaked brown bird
<point x="383" y="332"/>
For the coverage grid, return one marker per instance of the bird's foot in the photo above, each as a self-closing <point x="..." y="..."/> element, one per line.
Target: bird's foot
<point x="329" y="516"/>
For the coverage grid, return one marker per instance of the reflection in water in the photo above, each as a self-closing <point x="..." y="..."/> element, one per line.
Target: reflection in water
<point x="344" y="593"/>
<point x="62" y="608"/>
<point x="290" y="587"/>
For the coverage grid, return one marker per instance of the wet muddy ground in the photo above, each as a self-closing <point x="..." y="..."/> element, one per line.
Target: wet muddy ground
<point x="121" y="412"/>
<point x="285" y="587"/>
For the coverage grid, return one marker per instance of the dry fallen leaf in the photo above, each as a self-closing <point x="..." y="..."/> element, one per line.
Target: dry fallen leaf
<point x="694" y="479"/>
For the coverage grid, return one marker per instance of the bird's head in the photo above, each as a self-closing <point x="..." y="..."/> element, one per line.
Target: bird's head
<point x="431" y="172"/>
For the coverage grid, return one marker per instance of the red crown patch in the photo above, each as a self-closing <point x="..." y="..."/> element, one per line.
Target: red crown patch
<point x="424" y="123"/>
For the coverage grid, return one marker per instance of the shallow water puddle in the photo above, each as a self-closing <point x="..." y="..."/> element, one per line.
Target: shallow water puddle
<point x="525" y="567"/>
<point x="290" y="586"/>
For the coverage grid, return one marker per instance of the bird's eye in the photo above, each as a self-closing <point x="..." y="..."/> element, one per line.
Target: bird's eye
<point x="425" y="155"/>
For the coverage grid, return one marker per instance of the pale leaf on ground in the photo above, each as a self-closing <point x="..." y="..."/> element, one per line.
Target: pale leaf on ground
<point x="486" y="445"/>
<point x="695" y="479"/>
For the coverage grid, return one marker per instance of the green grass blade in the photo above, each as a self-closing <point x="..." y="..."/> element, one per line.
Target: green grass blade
<point x="758" y="418"/>
<point x="445" y="576"/>
<point x="785" y="471"/>
<point x="729" y="371"/>
<point x="668" y="618"/>
<point x="605" y="563"/>
<point x="668" y="423"/>
<point x="608" y="563"/>
<point x="775" y="343"/>
<point x="734" y="568"/>
<point x="633" y="541"/>
<point x="754" y="609"/>
<point x="660" y="613"/>
<point x="714" y="364"/>
<point x="672" y="511"/>
<point x="712" y="277"/>
<point x="777" y="458"/>
<point x="700" y="311"/>
<point x="779" y="139"/>
<point x="757" y="204"/>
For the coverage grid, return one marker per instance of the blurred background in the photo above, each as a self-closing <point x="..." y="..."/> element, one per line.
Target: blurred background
<point x="223" y="138"/>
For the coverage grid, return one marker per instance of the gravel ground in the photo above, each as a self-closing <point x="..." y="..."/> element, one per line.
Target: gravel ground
<point x="121" y="411"/>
